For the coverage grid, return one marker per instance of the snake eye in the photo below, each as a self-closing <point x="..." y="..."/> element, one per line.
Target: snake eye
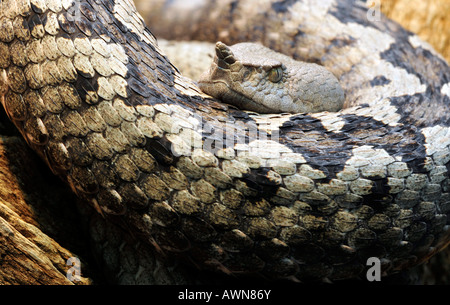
<point x="246" y="75"/>
<point x="275" y="74"/>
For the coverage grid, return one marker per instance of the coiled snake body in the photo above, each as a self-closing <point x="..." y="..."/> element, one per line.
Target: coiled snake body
<point x="305" y="195"/>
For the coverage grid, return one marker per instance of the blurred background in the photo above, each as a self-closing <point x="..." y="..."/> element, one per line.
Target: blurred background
<point x="427" y="18"/>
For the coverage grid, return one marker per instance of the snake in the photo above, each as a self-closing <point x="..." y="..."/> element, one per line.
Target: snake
<point x="304" y="196"/>
<point x="253" y="77"/>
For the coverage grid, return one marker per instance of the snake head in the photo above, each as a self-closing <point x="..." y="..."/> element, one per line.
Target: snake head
<point x="253" y="77"/>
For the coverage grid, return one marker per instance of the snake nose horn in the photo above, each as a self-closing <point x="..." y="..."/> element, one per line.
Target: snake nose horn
<point x="224" y="55"/>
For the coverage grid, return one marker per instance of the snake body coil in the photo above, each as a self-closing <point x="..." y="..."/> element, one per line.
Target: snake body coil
<point x="305" y="195"/>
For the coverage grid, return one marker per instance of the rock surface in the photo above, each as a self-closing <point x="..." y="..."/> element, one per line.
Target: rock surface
<point x="428" y="19"/>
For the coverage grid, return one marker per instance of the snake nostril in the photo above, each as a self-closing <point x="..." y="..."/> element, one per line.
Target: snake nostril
<point x="246" y="75"/>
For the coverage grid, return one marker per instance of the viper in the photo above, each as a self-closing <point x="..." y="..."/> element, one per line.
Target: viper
<point x="302" y="196"/>
<point x="253" y="77"/>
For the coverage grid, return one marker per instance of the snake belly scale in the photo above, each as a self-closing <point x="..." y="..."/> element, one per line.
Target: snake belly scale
<point x="307" y="196"/>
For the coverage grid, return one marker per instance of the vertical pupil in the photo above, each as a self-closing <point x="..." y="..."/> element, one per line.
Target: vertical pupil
<point x="275" y="75"/>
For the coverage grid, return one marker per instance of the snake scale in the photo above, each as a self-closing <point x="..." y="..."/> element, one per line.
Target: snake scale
<point x="301" y="196"/>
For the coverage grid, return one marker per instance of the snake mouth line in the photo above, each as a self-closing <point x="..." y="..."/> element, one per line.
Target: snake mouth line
<point x="221" y="90"/>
